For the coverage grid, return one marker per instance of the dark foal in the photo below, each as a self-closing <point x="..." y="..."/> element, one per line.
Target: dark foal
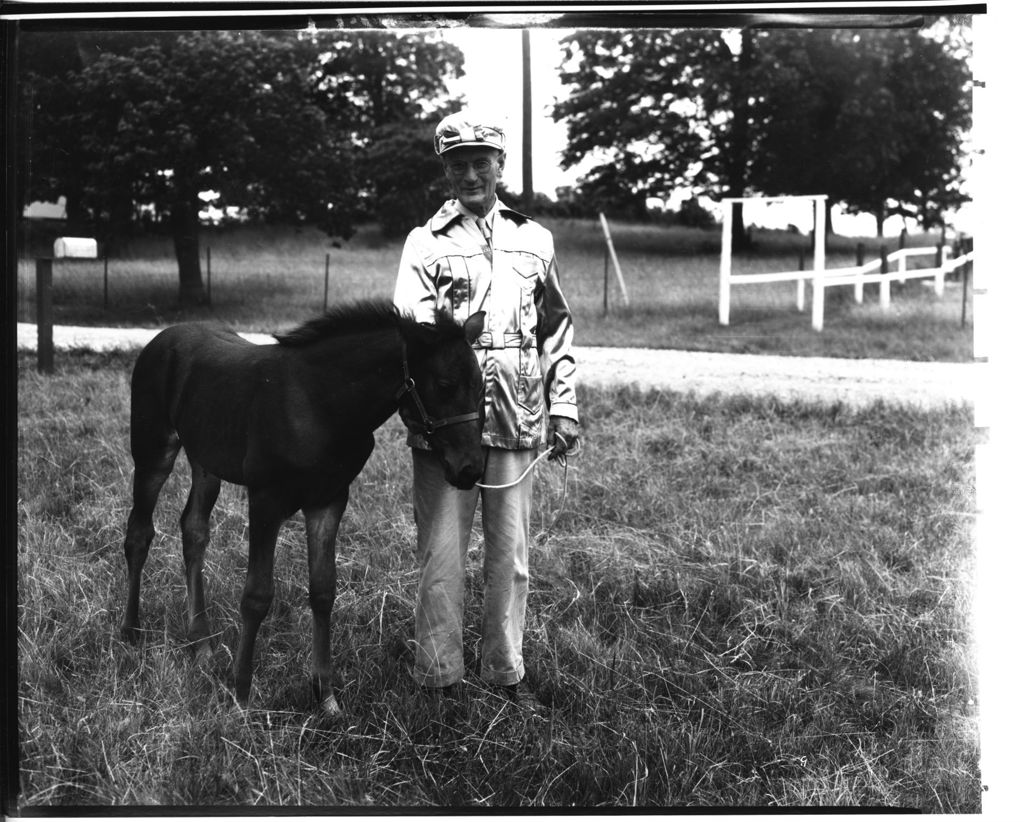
<point x="293" y="423"/>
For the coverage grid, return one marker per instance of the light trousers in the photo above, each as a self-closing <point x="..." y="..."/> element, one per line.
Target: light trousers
<point x="444" y="519"/>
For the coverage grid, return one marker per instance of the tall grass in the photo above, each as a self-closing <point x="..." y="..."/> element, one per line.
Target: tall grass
<point x="265" y="279"/>
<point x="744" y="602"/>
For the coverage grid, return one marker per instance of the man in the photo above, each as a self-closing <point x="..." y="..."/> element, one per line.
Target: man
<point x="477" y="254"/>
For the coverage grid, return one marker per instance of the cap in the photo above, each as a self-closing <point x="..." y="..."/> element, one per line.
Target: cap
<point x="464" y="129"/>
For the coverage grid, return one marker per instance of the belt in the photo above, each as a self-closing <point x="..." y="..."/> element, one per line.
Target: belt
<point x="489" y="340"/>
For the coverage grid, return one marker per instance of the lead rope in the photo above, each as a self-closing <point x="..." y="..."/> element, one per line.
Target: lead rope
<point x="565" y="481"/>
<point x="526" y="471"/>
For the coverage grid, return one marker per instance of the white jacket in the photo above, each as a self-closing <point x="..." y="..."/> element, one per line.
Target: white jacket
<point x="525" y="352"/>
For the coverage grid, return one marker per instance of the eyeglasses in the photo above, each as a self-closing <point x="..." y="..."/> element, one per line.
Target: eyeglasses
<point x="460" y="167"/>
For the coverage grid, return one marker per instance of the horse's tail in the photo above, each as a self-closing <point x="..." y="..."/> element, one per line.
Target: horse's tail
<point x="152" y="432"/>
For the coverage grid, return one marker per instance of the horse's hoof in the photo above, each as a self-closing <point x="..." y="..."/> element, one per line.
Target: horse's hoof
<point x="329" y="705"/>
<point x="131" y="634"/>
<point x="204" y="654"/>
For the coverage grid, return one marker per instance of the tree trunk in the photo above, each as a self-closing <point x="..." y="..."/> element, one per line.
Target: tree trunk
<point x="736" y="169"/>
<point x="185" y="231"/>
<point x="740" y="235"/>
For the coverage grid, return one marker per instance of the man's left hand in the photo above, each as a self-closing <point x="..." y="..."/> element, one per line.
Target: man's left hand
<point x="563" y="436"/>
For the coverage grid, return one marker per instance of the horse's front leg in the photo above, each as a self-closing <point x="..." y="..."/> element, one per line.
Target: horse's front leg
<point x="321" y="532"/>
<point x="266" y="515"/>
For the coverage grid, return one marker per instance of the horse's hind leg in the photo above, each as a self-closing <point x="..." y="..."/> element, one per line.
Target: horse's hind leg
<point x="267" y="512"/>
<point x="153" y="464"/>
<point x="195" y="536"/>
<point x="321" y="532"/>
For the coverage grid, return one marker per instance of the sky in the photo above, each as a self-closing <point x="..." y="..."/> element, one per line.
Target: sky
<point x="492" y="85"/>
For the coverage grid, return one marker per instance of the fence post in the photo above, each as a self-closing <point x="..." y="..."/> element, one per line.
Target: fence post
<point x="44" y="314"/>
<point x="327" y="274"/>
<point x="858" y="287"/>
<point x="606" y="281"/>
<point x="800" y="283"/>
<point x="940" y="272"/>
<point x="106" y="266"/>
<point x="209" y="279"/>
<point x="963" y="303"/>
<point x="725" y="267"/>
<point x="883" y="284"/>
<point x="901" y="263"/>
<point x="615" y="260"/>
<point x="818" y="290"/>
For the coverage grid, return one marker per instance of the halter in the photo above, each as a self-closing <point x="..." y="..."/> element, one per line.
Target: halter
<point x="427" y="424"/>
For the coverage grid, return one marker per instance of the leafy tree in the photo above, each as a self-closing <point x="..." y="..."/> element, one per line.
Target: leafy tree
<point x="881" y="124"/>
<point x="164" y="121"/>
<point x="50" y="158"/>
<point x="386" y="89"/>
<point x="873" y="118"/>
<point x="660" y="105"/>
<point x="291" y="127"/>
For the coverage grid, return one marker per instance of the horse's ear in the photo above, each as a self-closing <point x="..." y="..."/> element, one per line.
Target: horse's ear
<point x="474" y="326"/>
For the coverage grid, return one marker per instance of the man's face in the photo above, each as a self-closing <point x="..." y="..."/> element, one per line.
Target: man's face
<point x="473" y="173"/>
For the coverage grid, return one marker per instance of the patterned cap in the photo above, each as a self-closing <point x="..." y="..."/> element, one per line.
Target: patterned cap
<point x="464" y="129"/>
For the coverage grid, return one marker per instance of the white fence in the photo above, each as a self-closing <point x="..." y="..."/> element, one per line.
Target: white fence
<point x="882" y="271"/>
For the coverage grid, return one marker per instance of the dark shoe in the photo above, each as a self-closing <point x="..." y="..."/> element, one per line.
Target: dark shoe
<point x="443" y="711"/>
<point x="523" y="698"/>
<point x="442" y="695"/>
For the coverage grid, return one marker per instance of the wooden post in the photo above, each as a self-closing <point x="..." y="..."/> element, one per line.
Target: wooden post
<point x="106" y="265"/>
<point x="327" y="275"/>
<point x="615" y="259"/>
<point x="858" y="287"/>
<point x="725" y="267"/>
<point x="818" y="283"/>
<point x="963" y="303"/>
<point x="940" y="269"/>
<point x="901" y="265"/>
<point x="606" y="281"/>
<point x="44" y="314"/>
<point x="883" y="285"/>
<point x="800" y="283"/>
<point x="209" y="279"/>
<point x="527" y="124"/>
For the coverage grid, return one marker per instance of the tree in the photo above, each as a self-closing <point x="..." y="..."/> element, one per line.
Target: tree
<point x="873" y="118"/>
<point x="164" y="121"/>
<point x="666" y="107"/>
<point x="321" y="127"/>
<point x="881" y="125"/>
<point x="385" y="91"/>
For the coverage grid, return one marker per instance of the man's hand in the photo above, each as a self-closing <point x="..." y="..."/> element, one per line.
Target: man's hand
<point x="563" y="436"/>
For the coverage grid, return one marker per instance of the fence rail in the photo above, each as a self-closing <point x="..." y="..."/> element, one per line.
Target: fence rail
<point x="887" y="268"/>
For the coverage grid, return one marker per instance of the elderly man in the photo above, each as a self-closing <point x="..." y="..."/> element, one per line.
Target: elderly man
<point x="477" y="254"/>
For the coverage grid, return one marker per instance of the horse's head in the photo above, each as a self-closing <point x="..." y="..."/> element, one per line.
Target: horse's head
<point x="442" y="397"/>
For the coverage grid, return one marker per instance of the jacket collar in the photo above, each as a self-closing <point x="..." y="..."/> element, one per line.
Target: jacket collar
<point x="450" y="212"/>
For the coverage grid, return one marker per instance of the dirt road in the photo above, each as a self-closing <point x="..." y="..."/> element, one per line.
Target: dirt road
<point x="855" y="382"/>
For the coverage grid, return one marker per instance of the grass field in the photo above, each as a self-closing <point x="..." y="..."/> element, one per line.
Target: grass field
<point x="743" y="603"/>
<point x="266" y="279"/>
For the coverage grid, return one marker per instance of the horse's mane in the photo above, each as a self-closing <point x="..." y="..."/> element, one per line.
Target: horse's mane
<point x="360" y="317"/>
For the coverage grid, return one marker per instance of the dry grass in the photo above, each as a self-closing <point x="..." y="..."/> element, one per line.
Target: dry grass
<point x="745" y="602"/>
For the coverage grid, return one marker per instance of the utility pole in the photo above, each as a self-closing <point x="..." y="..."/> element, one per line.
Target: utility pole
<point x="527" y="124"/>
